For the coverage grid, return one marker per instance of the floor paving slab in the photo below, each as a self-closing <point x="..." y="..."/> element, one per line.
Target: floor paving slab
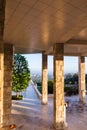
<point x="30" y="114"/>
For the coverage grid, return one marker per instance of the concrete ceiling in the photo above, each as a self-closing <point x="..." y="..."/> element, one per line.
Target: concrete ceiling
<point x="34" y="26"/>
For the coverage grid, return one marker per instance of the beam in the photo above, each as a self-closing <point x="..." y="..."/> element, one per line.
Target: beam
<point x="76" y="42"/>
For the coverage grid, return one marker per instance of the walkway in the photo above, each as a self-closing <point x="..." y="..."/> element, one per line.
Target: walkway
<point x="30" y="114"/>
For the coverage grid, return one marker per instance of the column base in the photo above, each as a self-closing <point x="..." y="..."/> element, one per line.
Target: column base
<point x="5" y="120"/>
<point x="61" y="126"/>
<point x="44" y="103"/>
<point x="8" y="127"/>
<point x="3" y="126"/>
<point x="82" y="102"/>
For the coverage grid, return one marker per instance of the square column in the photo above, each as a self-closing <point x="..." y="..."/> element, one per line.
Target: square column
<point x="1" y="76"/>
<point x="44" y="79"/>
<point x="59" y="108"/>
<point x="82" y="88"/>
<point x="6" y="62"/>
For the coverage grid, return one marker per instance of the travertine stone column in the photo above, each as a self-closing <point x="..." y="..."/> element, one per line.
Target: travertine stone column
<point x="82" y="88"/>
<point x="2" y="17"/>
<point x="6" y="59"/>
<point x="1" y="74"/>
<point x="44" y="79"/>
<point x="59" y="115"/>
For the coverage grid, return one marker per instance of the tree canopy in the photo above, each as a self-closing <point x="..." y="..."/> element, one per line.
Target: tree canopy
<point x="71" y="78"/>
<point x="21" y="73"/>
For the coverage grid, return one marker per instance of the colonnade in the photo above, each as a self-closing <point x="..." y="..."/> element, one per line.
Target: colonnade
<point x="59" y="111"/>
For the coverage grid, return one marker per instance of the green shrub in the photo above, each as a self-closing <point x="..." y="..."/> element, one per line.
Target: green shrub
<point x="14" y="97"/>
<point x="50" y="87"/>
<point x="39" y="83"/>
<point x="67" y="89"/>
<point x="70" y="90"/>
<point x="39" y="88"/>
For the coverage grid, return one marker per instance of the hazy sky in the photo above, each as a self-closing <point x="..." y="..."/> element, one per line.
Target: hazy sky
<point x="35" y="63"/>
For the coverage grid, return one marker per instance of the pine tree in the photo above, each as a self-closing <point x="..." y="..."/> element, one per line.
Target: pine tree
<point x="21" y="74"/>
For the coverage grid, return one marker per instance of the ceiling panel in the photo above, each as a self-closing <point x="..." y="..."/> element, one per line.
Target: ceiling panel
<point x="29" y="3"/>
<point x="37" y="24"/>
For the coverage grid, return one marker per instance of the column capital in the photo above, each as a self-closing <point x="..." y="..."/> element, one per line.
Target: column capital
<point x="58" y="48"/>
<point x="44" y="53"/>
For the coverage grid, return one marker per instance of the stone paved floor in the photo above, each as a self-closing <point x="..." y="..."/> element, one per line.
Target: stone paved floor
<point x="30" y="114"/>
